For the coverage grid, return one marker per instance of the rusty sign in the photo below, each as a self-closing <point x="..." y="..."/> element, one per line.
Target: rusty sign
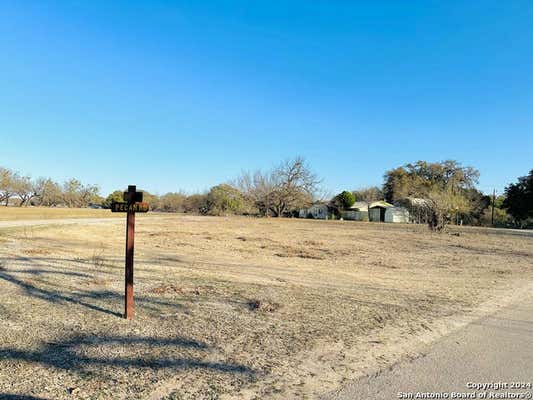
<point x="132" y="204"/>
<point x="122" y="206"/>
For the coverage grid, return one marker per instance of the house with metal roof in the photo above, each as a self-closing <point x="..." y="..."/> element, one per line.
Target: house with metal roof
<point x="357" y="212"/>
<point x="376" y="211"/>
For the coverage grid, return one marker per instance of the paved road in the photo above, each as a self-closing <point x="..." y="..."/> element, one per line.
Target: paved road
<point x="492" y="231"/>
<point x="498" y="348"/>
<point x="60" y="221"/>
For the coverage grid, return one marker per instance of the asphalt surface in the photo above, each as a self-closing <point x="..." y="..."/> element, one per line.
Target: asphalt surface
<point x="495" y="349"/>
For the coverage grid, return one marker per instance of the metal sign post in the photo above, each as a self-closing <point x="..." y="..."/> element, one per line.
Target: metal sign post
<point x="132" y="204"/>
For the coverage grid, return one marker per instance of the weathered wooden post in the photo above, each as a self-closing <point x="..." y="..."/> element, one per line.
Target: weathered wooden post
<point x="132" y="203"/>
<point x="130" y="244"/>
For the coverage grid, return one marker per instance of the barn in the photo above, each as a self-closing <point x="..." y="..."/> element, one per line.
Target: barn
<point x="377" y="210"/>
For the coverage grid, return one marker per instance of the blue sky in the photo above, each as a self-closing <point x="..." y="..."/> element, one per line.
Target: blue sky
<point x="175" y="95"/>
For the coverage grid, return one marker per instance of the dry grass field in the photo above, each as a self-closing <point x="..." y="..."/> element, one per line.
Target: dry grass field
<point x="236" y="307"/>
<point x="25" y="213"/>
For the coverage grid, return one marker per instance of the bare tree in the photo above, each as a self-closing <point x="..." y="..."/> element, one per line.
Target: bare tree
<point x="71" y="190"/>
<point x="294" y="186"/>
<point x="368" y="194"/>
<point x="171" y="202"/>
<point x="88" y="194"/>
<point x="445" y="185"/>
<point x="6" y="184"/>
<point x="75" y="194"/>
<point x="196" y="204"/>
<point x="47" y="192"/>
<point x="23" y="188"/>
<point x="258" y="188"/>
<point x="444" y="203"/>
<point x="287" y="187"/>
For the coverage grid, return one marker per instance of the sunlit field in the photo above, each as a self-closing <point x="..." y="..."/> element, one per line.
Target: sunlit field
<point x="22" y="213"/>
<point x="234" y="307"/>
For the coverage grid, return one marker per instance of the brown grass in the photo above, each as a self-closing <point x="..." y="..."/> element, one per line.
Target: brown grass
<point x="234" y="307"/>
<point x="22" y="213"/>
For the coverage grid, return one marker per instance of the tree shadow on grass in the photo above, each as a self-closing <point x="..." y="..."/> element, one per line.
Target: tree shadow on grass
<point x="49" y="295"/>
<point x="71" y="354"/>
<point x="84" y="298"/>
<point x="37" y="272"/>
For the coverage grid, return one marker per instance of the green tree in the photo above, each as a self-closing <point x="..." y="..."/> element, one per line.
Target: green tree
<point x="116" y="196"/>
<point x="479" y="203"/>
<point x="344" y="200"/>
<point x="501" y="216"/>
<point x="225" y="199"/>
<point x="418" y="179"/>
<point x="445" y="185"/>
<point x="151" y="199"/>
<point x="519" y="199"/>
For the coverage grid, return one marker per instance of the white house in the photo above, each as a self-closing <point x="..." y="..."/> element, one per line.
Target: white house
<point x="316" y="211"/>
<point x="397" y="214"/>
<point x="376" y="211"/>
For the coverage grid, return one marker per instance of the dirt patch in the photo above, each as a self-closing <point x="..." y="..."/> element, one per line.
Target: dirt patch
<point x="301" y="253"/>
<point x="262" y="305"/>
<point x="172" y="289"/>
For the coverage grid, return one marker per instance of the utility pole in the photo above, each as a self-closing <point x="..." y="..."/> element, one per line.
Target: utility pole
<point x="493" y="201"/>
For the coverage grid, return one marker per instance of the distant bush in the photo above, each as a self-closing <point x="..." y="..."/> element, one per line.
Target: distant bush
<point x="116" y="196"/>
<point x="171" y="202"/>
<point x="225" y="199"/>
<point x="196" y="204"/>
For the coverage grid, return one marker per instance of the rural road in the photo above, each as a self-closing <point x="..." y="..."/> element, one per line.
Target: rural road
<point x="58" y="221"/>
<point x="497" y="348"/>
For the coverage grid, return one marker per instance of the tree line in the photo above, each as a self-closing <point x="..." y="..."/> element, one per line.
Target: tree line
<point x="439" y="193"/>
<point x="22" y="190"/>
<point x="277" y="192"/>
<point x="445" y="192"/>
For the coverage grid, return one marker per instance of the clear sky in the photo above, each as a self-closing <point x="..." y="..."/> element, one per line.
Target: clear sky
<point x="175" y="95"/>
